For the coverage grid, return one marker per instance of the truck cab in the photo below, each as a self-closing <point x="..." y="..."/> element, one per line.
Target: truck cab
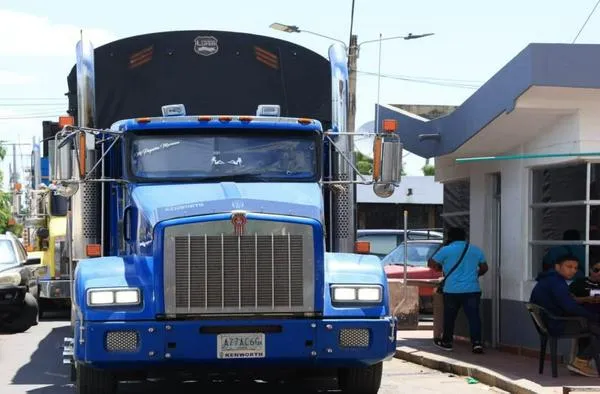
<point x="216" y="253"/>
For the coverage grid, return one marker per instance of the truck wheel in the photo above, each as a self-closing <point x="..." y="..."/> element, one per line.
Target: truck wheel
<point x="94" y="381"/>
<point x="361" y="380"/>
<point x="28" y="317"/>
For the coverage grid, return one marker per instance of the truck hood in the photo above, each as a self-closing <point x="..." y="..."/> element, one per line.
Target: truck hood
<point x="163" y="202"/>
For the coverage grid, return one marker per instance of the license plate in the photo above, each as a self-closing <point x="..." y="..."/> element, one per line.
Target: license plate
<point x="241" y="345"/>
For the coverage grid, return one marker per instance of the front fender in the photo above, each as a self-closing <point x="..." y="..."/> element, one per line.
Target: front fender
<point x="348" y="268"/>
<point x="129" y="271"/>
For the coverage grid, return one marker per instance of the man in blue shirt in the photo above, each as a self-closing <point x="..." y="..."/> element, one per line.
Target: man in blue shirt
<point x="461" y="287"/>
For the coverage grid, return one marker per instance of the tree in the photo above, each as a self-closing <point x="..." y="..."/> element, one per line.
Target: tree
<point x="364" y="163"/>
<point x="6" y="220"/>
<point x="428" y="169"/>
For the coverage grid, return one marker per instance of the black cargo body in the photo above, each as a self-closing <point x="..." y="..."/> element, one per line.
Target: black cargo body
<point x="210" y="72"/>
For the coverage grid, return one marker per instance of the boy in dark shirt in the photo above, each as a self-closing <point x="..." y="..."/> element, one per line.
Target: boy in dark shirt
<point x="587" y="293"/>
<point x="587" y="289"/>
<point x="551" y="292"/>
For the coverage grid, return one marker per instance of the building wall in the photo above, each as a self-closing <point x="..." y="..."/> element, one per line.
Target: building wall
<point x="570" y="133"/>
<point x="391" y="216"/>
<point x="412" y="190"/>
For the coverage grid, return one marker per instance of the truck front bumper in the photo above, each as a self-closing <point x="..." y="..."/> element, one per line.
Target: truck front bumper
<point x="257" y="343"/>
<point x="55" y="288"/>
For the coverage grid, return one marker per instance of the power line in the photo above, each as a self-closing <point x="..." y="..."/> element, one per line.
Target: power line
<point x="32" y="117"/>
<point x="33" y="98"/>
<point x="586" y="21"/>
<point x="425" y="81"/>
<point x="29" y="104"/>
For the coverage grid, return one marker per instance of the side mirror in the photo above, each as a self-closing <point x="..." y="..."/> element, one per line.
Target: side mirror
<point x="66" y="189"/>
<point x="387" y="163"/>
<point x="43" y="232"/>
<point x="33" y="261"/>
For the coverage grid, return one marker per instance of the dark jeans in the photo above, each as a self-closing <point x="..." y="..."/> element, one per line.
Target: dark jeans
<point x="587" y="347"/>
<point x="470" y="304"/>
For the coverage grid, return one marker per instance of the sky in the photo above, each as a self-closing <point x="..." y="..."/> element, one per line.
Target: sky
<point x="472" y="41"/>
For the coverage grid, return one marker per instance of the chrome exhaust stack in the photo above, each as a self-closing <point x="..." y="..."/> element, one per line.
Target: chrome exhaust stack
<point x="342" y="219"/>
<point x="84" y="203"/>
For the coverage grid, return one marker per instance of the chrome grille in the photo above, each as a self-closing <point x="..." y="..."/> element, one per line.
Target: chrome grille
<point x="254" y="273"/>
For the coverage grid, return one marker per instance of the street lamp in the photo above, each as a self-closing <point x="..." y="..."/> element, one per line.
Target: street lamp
<point x="296" y="29"/>
<point x="352" y="51"/>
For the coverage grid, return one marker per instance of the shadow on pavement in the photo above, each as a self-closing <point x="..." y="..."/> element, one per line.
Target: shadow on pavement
<point x="45" y="368"/>
<point x="195" y="388"/>
<point x="45" y="365"/>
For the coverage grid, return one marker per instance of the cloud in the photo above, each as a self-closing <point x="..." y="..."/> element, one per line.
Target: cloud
<point x="14" y="78"/>
<point x="30" y="35"/>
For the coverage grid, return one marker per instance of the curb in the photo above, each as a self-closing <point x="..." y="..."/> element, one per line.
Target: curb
<point x="484" y="375"/>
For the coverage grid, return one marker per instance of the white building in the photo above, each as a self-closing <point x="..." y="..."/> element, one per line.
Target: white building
<point x="542" y="110"/>
<point x="421" y="196"/>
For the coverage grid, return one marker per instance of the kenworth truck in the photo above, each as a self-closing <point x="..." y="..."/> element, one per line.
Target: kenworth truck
<point x="44" y="235"/>
<point x="226" y="236"/>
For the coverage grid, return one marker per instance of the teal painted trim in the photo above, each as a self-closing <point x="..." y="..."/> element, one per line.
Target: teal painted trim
<point x="530" y="156"/>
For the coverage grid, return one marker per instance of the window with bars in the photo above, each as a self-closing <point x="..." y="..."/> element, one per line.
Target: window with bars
<point x="564" y="198"/>
<point x="457" y="204"/>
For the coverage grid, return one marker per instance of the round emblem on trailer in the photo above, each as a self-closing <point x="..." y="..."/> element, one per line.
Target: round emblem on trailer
<point x="239" y="220"/>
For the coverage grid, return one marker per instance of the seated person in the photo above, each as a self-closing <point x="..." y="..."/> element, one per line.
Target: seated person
<point x="551" y="292"/>
<point x="587" y="290"/>
<point x="576" y="250"/>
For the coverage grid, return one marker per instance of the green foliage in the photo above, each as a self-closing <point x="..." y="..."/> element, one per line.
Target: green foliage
<point x="363" y="163"/>
<point x="428" y="170"/>
<point x="5" y="205"/>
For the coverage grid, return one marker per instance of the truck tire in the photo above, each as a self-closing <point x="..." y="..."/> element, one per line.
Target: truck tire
<point x="360" y="380"/>
<point x="94" y="381"/>
<point x="28" y="317"/>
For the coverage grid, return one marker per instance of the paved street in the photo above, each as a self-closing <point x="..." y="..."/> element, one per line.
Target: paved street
<point x="31" y="363"/>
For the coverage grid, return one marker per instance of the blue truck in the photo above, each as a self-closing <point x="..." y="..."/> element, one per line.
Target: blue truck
<point x="224" y="240"/>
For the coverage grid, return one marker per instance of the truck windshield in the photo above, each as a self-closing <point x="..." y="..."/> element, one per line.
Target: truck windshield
<point x="232" y="155"/>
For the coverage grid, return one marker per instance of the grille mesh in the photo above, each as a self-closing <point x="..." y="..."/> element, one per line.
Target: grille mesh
<point x="343" y="209"/>
<point x="121" y="341"/>
<point x="354" y="337"/>
<point x="89" y="211"/>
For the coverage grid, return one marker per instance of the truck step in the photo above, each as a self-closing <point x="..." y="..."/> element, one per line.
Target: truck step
<point x="68" y="351"/>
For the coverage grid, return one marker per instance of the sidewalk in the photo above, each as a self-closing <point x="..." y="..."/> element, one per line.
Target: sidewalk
<point x="512" y="373"/>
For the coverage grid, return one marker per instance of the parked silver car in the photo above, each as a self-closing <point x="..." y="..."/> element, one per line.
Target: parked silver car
<point x="18" y="306"/>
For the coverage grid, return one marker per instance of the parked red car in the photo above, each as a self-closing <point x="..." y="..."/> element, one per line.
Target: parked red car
<point x="418" y="252"/>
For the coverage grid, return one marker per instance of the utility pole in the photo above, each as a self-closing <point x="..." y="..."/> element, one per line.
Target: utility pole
<point x="14" y="175"/>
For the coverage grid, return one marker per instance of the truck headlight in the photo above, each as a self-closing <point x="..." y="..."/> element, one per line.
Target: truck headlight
<point x="368" y="294"/>
<point x="117" y="296"/>
<point x="10" y="278"/>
